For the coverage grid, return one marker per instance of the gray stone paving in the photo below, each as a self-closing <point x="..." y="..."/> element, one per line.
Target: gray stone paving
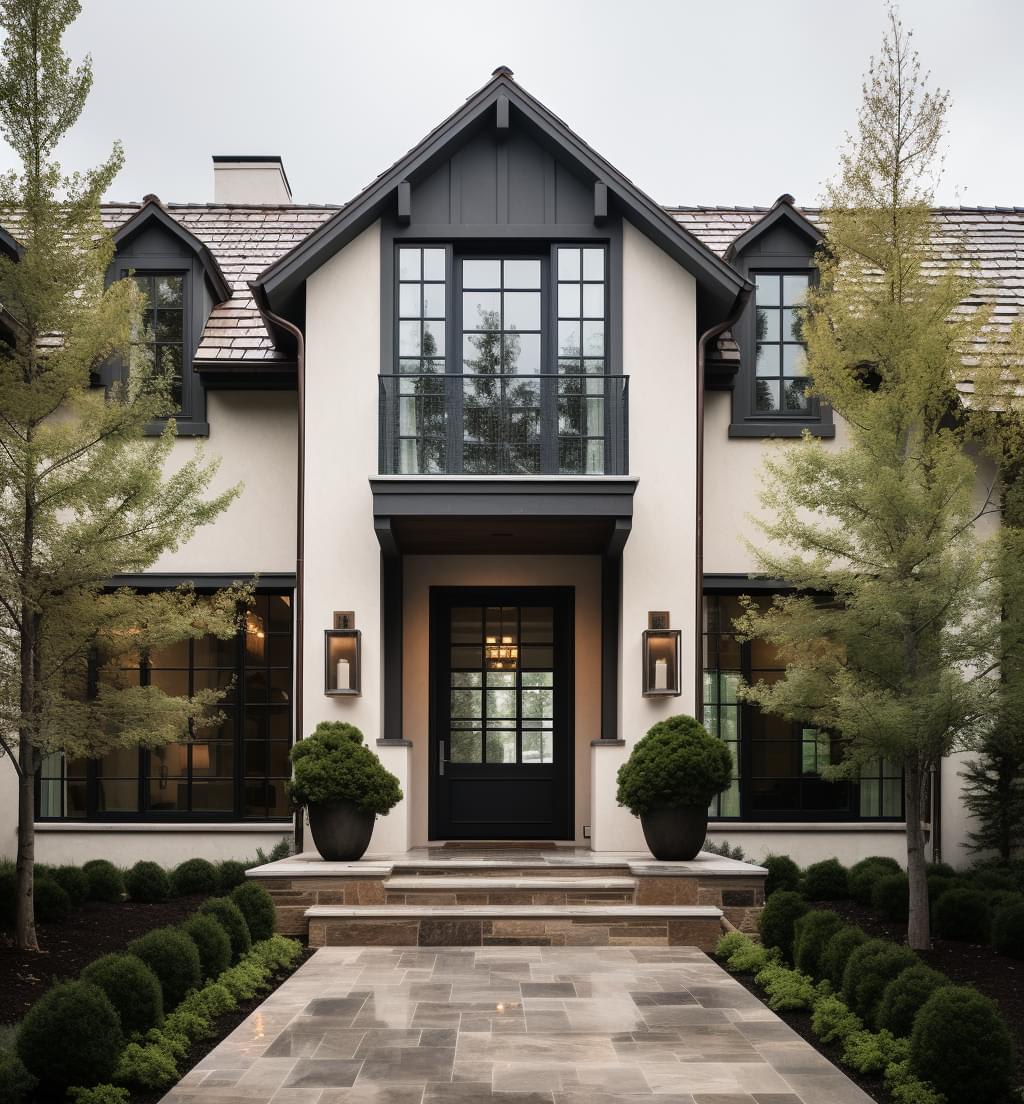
<point x="513" y="1025"/>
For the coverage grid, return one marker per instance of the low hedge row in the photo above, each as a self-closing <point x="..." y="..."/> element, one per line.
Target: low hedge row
<point x="984" y="904"/>
<point x="931" y="1041"/>
<point x="113" y="1023"/>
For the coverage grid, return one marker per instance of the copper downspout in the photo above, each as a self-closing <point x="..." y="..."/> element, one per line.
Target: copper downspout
<point x="742" y="298"/>
<point x="300" y="377"/>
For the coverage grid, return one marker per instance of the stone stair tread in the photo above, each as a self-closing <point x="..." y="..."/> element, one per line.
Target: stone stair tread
<point x="485" y="883"/>
<point x="505" y="912"/>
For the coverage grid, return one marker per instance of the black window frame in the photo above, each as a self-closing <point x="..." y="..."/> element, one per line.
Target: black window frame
<point x="747" y="715"/>
<point x="143" y="774"/>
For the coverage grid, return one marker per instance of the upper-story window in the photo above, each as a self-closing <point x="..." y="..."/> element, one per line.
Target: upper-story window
<point x="164" y="329"/>
<point x="501" y="364"/>
<point x="781" y="357"/>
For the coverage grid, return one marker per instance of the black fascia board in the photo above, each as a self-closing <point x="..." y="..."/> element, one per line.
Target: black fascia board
<point x="13" y="248"/>
<point x="718" y="282"/>
<point x="782" y="211"/>
<point x="202" y="580"/>
<point x="152" y="211"/>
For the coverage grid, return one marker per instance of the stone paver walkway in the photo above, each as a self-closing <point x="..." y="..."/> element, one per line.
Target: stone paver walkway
<point x="513" y="1025"/>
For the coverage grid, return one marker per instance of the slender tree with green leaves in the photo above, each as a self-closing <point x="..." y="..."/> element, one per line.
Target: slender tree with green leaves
<point x="84" y="493"/>
<point x="901" y="660"/>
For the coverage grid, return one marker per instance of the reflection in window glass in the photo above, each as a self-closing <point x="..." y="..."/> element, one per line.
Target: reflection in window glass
<point x="781" y="359"/>
<point x="163" y="335"/>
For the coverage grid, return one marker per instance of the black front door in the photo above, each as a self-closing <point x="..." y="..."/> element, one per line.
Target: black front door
<point x="501" y="737"/>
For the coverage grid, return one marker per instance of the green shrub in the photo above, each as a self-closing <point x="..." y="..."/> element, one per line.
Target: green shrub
<point x="678" y="763"/>
<point x="939" y="870"/>
<point x="245" y="980"/>
<point x="148" y="1067"/>
<point x="961" y="1045"/>
<point x="884" y="862"/>
<point x="787" y="990"/>
<point x="740" y="953"/>
<point x="783" y="873"/>
<point x="905" y="1088"/>
<point x="211" y="1001"/>
<point x="257" y="906"/>
<point x="869" y="970"/>
<point x="211" y="942"/>
<point x="189" y="1024"/>
<point x="865" y="874"/>
<point x="962" y="914"/>
<point x="106" y="883"/>
<point x="837" y="951"/>
<point x="230" y="918"/>
<point x="173" y="957"/>
<point x="16" y="1083"/>
<point x="333" y="765"/>
<point x="729" y="943"/>
<point x="75" y="883"/>
<point x="992" y="879"/>
<point x="938" y="885"/>
<point x="777" y="919"/>
<point x="70" y="1036"/>
<point x="832" y="1021"/>
<point x="230" y="874"/>
<point x="52" y="904"/>
<point x="1008" y="931"/>
<point x="1003" y="898"/>
<point x="132" y="988"/>
<point x="147" y="882"/>
<point x="827" y="880"/>
<point x="98" y="1094"/>
<point x="176" y="1045"/>
<point x="281" y="850"/>
<point x="904" y="995"/>
<point x="873" y="1051"/>
<point x="194" y="876"/>
<point x="891" y="897"/>
<point x="8" y="895"/>
<point x="810" y="934"/>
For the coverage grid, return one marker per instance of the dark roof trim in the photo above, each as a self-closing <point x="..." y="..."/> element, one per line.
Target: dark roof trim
<point x="282" y="279"/>
<point x="783" y="209"/>
<point x="154" y="211"/>
<point x="163" y="580"/>
<point x="13" y="248"/>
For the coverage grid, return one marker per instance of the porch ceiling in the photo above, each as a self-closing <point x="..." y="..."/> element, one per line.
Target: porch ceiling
<point x="481" y="515"/>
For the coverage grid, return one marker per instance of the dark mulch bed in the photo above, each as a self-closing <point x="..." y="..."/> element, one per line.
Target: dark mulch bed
<point x="94" y="929"/>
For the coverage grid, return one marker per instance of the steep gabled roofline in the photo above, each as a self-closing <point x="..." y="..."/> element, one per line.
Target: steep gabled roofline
<point x="782" y="210"/>
<point x="152" y="210"/>
<point x="715" y="277"/>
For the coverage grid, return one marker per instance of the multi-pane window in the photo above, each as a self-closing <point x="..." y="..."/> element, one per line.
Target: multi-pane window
<point x="781" y="357"/>
<point x="778" y="765"/>
<point x="581" y="309"/>
<point x="233" y="768"/>
<point x="422" y="306"/>
<point x="501" y="362"/>
<point x="164" y="328"/>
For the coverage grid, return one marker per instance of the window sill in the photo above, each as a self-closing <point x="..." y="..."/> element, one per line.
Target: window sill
<point x="725" y="825"/>
<point x="283" y="826"/>
<point x="186" y="427"/>
<point x="783" y="429"/>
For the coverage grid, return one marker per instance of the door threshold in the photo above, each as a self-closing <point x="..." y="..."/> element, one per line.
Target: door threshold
<point x="495" y="845"/>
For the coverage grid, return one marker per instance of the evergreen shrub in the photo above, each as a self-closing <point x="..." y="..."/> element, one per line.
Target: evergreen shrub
<point x="194" y="876"/>
<point x="777" y="920"/>
<point x="811" y="933"/>
<point x="106" y="883"/>
<point x="783" y="873"/>
<point x="211" y="942"/>
<point x="827" y="880"/>
<point x="131" y="987"/>
<point x="257" y="906"/>
<point x="963" y="914"/>
<point x="173" y="957"/>
<point x="147" y="882"/>
<point x="869" y="970"/>
<point x="837" y="951"/>
<point x="904" y="995"/>
<point x="890" y="895"/>
<point x="230" y="918"/>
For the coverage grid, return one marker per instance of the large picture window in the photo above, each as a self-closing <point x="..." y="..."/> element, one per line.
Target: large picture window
<point x="777" y="764"/>
<point x="234" y="769"/>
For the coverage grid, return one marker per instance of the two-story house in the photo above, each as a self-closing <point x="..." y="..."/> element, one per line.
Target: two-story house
<point x="500" y="421"/>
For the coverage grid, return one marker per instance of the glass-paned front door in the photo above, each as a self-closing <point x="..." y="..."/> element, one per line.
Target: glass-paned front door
<point x="500" y="741"/>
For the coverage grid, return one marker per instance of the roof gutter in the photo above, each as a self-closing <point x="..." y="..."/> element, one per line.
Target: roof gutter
<point x="275" y="321"/>
<point x="738" y="307"/>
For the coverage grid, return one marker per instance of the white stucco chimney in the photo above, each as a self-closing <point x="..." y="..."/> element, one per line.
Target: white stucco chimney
<point x="250" y="179"/>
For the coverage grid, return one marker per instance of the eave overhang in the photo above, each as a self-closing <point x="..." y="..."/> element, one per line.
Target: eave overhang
<point x="783" y="210"/>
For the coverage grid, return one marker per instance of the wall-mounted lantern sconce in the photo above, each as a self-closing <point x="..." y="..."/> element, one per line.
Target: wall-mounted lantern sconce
<point x="342" y="657"/>
<point x="662" y="670"/>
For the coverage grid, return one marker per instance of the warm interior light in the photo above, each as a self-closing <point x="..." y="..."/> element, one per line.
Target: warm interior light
<point x="254" y="625"/>
<point x="501" y="653"/>
<point x="200" y="756"/>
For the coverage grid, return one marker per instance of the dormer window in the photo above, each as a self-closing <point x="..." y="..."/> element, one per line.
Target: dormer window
<point x="164" y="329"/>
<point x="780" y="381"/>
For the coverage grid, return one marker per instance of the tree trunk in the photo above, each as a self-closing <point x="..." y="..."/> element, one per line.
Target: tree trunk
<point x="918" y="924"/>
<point x="25" y="918"/>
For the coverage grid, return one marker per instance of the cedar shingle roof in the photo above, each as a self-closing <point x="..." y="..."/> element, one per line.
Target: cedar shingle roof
<point x="246" y="240"/>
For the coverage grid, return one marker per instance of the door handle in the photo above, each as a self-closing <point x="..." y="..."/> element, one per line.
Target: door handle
<point x="440" y="758"/>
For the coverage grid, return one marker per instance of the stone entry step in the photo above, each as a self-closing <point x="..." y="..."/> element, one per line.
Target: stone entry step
<point x="509" y="868"/>
<point x="451" y="889"/>
<point x="523" y="925"/>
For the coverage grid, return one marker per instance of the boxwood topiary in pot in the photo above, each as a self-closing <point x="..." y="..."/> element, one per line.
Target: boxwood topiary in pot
<point x="343" y="786"/>
<point x="668" y="781"/>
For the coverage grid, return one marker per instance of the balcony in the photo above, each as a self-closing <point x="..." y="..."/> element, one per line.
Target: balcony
<point x="508" y="424"/>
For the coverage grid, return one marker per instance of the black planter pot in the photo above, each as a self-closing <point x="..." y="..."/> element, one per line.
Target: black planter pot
<point x="341" y="830"/>
<point x="675" y="833"/>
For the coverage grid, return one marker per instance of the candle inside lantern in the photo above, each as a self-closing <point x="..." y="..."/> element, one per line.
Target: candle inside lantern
<point x="661" y="674"/>
<point x="342" y="680"/>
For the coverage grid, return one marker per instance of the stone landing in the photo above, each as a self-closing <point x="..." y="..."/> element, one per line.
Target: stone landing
<point x="563" y="896"/>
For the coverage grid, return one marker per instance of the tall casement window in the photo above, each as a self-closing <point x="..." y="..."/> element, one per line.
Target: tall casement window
<point x="501" y="365"/>
<point x="778" y="764"/>
<point x="233" y="769"/>
<point x="164" y="329"/>
<point x="781" y="356"/>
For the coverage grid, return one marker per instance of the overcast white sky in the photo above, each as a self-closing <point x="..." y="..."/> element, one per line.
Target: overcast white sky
<point x="697" y="102"/>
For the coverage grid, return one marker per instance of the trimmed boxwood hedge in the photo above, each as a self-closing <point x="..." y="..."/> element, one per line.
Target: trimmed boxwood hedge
<point x="106" y="882"/>
<point x="869" y="969"/>
<point x="173" y="957"/>
<point x="147" y="882"/>
<point x="211" y="942"/>
<point x="74" y="881"/>
<point x="230" y="874"/>
<point x="778" y="918"/>
<point x="51" y="903"/>
<point x="963" y="914"/>
<point x="1008" y="930"/>
<point x="783" y="873"/>
<point x="827" y="880"/>
<point x="257" y="906"/>
<point x="891" y="896"/>
<point x="837" y="952"/>
<point x="904" y="995"/>
<point x="194" y="876"/>
<point x="230" y="918"/>
<point x="70" y="1036"/>
<point x="811" y="933"/>
<point x="865" y="874"/>
<point x="132" y="988"/>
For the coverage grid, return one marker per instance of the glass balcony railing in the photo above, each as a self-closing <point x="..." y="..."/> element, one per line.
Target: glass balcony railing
<point x="542" y="424"/>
